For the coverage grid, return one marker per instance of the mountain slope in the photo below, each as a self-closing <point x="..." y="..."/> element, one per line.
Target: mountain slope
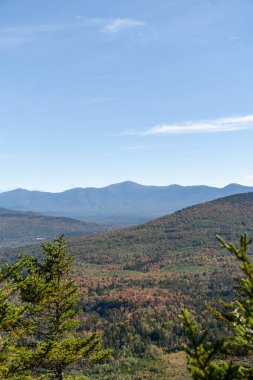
<point x="172" y="238"/>
<point x="124" y="203"/>
<point x="136" y="281"/>
<point x="18" y="228"/>
<point x="6" y="211"/>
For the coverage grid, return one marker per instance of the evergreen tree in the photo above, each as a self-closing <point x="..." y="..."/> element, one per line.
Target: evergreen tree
<point x="206" y="359"/>
<point x="12" y="328"/>
<point x="8" y="316"/>
<point x="50" y="296"/>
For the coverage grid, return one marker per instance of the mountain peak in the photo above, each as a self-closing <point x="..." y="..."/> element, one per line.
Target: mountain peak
<point x="126" y="184"/>
<point x="234" y="186"/>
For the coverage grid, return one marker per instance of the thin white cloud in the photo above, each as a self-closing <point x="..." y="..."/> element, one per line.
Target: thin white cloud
<point x="119" y="24"/>
<point x="249" y="177"/>
<point x="12" y="36"/>
<point x="225" y="124"/>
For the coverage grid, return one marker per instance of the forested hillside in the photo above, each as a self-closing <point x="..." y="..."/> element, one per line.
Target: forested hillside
<point x="134" y="282"/>
<point x="20" y="228"/>
<point x="179" y="239"/>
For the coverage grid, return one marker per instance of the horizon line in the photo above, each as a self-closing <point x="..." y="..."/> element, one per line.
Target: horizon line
<point x="120" y="183"/>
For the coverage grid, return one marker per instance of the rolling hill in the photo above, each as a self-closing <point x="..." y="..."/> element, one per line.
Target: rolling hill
<point x="20" y="228"/>
<point x="6" y="211"/>
<point x="173" y="240"/>
<point x="125" y="203"/>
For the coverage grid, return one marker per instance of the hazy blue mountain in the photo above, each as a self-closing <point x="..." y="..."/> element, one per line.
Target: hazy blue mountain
<point x="123" y="203"/>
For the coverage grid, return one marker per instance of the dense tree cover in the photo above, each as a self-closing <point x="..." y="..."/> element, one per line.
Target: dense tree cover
<point x="213" y="360"/>
<point x="134" y="283"/>
<point x="39" y="327"/>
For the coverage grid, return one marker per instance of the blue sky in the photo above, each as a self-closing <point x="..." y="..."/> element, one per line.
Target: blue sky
<point x="95" y="92"/>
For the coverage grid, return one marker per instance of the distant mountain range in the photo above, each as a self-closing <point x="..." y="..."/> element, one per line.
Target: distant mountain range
<point x="125" y="203"/>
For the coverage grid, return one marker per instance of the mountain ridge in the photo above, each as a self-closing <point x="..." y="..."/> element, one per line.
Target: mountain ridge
<point x="125" y="203"/>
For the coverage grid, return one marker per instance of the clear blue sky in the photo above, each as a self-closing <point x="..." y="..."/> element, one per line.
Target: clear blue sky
<point x="95" y="92"/>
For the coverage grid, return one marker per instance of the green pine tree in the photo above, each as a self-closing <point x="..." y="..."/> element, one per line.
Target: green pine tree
<point x="206" y="359"/>
<point x="52" y="346"/>
<point x="13" y="326"/>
